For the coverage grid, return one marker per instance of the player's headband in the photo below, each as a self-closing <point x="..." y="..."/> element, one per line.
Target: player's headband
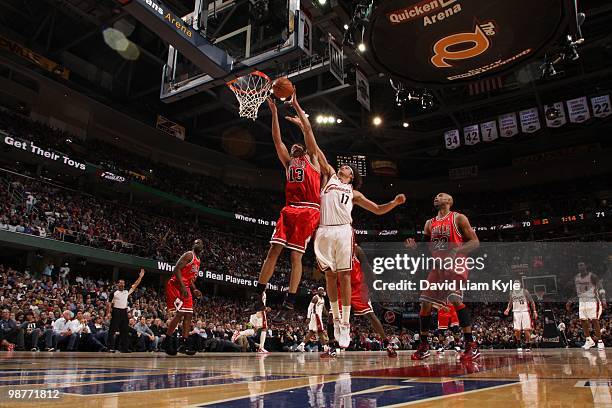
<point x="350" y="168"/>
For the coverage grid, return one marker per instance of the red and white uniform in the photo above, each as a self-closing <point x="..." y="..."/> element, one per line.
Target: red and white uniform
<point x="521" y="310"/>
<point x="445" y="235"/>
<point x="174" y="299"/>
<point x="448" y="318"/>
<point x="333" y="244"/>
<point x="360" y="297"/>
<point x="300" y="217"/>
<point x="589" y="304"/>
<point x="315" y="314"/>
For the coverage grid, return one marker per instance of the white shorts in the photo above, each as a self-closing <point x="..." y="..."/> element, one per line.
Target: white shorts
<point x="316" y="323"/>
<point x="522" y="321"/>
<point x="334" y="247"/>
<point x="589" y="310"/>
<point x="258" y="320"/>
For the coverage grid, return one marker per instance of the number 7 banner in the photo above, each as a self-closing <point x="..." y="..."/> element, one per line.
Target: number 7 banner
<point x="489" y="131"/>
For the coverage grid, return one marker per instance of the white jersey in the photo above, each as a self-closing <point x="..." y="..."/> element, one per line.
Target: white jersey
<point x="319" y="303"/>
<point x="585" y="289"/>
<point x="520" y="302"/>
<point x="336" y="202"/>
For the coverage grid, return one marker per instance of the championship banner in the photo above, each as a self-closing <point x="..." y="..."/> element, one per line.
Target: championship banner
<point x="336" y="60"/>
<point x="471" y="135"/>
<point x="508" y="126"/>
<point x="601" y="106"/>
<point x="33" y="57"/>
<point x="489" y="131"/>
<point x="451" y="139"/>
<point x="363" y="89"/>
<point x="530" y="121"/>
<point x="578" y="110"/>
<point x="560" y="120"/>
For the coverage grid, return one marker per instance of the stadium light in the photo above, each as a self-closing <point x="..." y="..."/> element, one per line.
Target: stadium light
<point x="377" y="120"/>
<point x="322" y="2"/>
<point x="319" y="119"/>
<point x="405" y="124"/>
<point x="361" y="47"/>
<point x="339" y="120"/>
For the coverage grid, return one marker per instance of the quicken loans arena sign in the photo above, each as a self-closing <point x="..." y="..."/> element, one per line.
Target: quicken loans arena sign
<point x="455" y="41"/>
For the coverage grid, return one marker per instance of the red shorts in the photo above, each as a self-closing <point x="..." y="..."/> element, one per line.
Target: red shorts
<point x="442" y="297"/>
<point x="295" y="227"/>
<point x="176" y="301"/>
<point x="360" y="297"/>
<point x="446" y="319"/>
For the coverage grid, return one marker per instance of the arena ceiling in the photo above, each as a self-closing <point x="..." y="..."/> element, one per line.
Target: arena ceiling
<point x="70" y="31"/>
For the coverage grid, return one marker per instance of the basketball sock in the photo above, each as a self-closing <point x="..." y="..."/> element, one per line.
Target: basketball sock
<point x="261" y="288"/>
<point x="468" y="338"/>
<point x="346" y="314"/>
<point x="425" y="324"/>
<point x="335" y="308"/>
<point x="262" y="339"/>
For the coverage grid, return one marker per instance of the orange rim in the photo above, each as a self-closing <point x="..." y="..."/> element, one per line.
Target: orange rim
<point x="231" y="83"/>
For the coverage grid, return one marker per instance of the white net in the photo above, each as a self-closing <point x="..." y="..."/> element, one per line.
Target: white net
<point x="251" y="91"/>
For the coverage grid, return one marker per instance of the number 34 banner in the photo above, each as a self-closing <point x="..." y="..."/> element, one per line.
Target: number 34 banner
<point x="451" y="139"/>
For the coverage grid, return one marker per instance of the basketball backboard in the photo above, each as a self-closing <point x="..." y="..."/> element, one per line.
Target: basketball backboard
<point x="255" y="34"/>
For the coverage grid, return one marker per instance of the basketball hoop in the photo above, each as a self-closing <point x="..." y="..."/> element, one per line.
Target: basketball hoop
<point x="251" y="90"/>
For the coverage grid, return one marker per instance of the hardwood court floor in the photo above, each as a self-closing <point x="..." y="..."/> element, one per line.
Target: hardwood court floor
<point x="503" y="379"/>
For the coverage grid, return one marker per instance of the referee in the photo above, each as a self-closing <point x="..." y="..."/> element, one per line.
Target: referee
<point x="119" y="316"/>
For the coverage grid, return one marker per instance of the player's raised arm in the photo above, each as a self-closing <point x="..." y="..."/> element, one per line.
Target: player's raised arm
<point x="281" y="149"/>
<point x="471" y="239"/>
<point x="378" y="209"/>
<point x="135" y="285"/>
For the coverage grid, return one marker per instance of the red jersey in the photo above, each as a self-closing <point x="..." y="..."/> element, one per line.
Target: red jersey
<point x="303" y="183"/>
<point x="443" y="231"/>
<point x="189" y="273"/>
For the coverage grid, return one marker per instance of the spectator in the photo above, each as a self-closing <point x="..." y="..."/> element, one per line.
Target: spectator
<point x="8" y="330"/>
<point x="64" y="336"/>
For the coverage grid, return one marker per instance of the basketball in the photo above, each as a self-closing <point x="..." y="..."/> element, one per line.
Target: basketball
<point x="282" y="88"/>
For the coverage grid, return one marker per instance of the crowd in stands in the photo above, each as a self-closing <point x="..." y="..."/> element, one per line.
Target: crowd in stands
<point x="69" y="313"/>
<point x="485" y="209"/>
<point x="39" y="208"/>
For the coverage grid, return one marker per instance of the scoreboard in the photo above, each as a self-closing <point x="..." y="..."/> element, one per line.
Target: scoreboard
<point x="357" y="161"/>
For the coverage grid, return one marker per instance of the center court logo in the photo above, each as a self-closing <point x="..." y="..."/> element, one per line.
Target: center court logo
<point x="478" y="42"/>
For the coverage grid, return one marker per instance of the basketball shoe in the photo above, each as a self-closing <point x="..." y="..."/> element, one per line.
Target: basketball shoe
<point x="600" y="345"/>
<point x="471" y="352"/>
<point x="589" y="343"/>
<point x="422" y="352"/>
<point x="345" y="335"/>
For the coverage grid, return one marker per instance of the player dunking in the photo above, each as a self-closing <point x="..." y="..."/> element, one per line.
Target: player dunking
<point x="591" y="301"/>
<point x="523" y="306"/>
<point x="315" y="320"/>
<point x="178" y="298"/>
<point x="451" y="235"/>
<point x="360" y="298"/>
<point x="300" y="216"/>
